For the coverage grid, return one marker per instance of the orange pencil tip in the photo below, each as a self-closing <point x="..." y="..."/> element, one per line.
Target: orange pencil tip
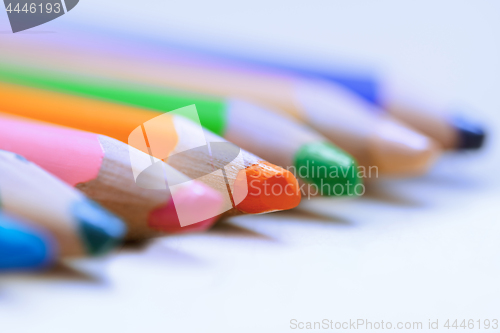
<point x="270" y="188"/>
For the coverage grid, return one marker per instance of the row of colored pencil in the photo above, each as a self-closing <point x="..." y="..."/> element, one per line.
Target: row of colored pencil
<point x="105" y="138"/>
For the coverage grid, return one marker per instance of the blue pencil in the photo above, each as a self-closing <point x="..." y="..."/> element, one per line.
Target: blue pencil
<point x="24" y="247"/>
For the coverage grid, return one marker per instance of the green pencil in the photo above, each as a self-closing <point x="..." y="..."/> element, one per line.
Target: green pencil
<point x="280" y="140"/>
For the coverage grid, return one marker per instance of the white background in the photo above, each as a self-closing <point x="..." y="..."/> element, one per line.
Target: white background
<point x="410" y="250"/>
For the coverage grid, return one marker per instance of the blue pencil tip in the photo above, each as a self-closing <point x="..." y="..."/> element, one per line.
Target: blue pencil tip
<point x="23" y="247"/>
<point x="101" y="230"/>
<point x="470" y="135"/>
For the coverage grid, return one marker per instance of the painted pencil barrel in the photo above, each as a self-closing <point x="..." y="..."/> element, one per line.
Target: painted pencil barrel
<point x="451" y="129"/>
<point x="278" y="139"/>
<point x="119" y="121"/>
<point x="80" y="226"/>
<point x="101" y="168"/>
<point x="24" y="247"/>
<point x="315" y="102"/>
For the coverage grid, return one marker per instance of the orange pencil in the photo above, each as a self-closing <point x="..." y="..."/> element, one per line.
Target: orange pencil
<point x="188" y="148"/>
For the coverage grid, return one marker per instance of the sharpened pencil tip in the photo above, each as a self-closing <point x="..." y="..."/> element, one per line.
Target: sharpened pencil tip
<point x="470" y="135"/>
<point x="24" y="248"/>
<point x="331" y="169"/>
<point x="101" y="230"/>
<point x="401" y="150"/>
<point x="193" y="207"/>
<point x="270" y="188"/>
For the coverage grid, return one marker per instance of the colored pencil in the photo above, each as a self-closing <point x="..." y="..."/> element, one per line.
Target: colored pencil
<point x="452" y="130"/>
<point x="80" y="226"/>
<point x="143" y="205"/>
<point x="280" y="140"/>
<point x="448" y="126"/>
<point x="24" y="247"/>
<point x="373" y="138"/>
<point x="103" y="169"/>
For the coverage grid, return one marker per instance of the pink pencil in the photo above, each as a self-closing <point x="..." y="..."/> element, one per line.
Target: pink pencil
<point x="101" y="167"/>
